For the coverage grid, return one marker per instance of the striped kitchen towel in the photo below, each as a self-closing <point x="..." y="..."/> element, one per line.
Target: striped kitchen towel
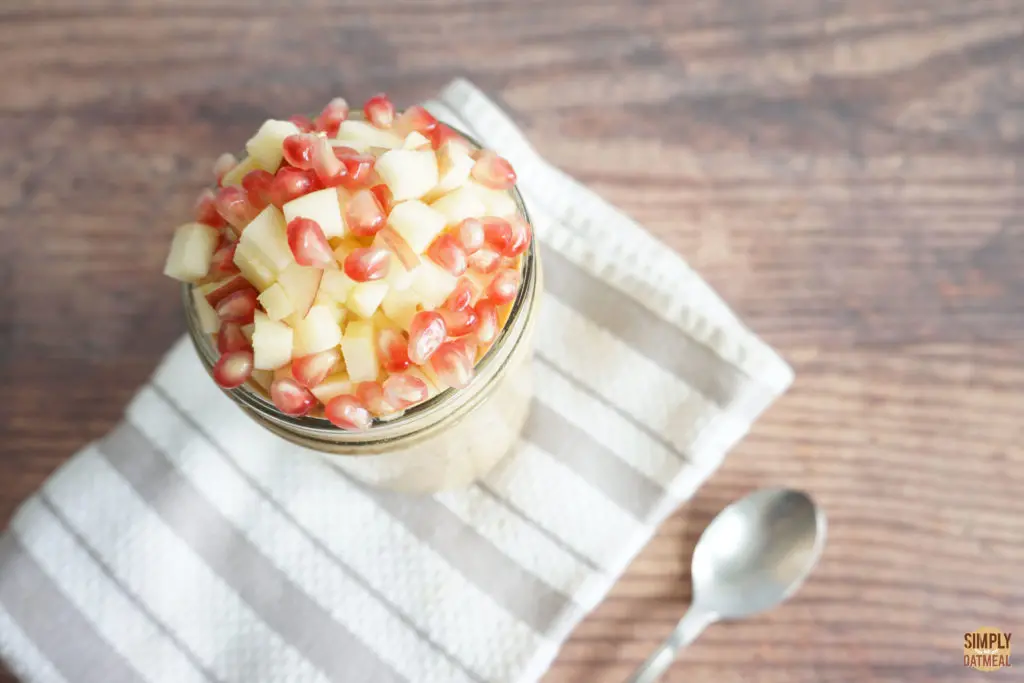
<point x="191" y="545"/>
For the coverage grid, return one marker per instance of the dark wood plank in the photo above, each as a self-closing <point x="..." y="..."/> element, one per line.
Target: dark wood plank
<point x="847" y="174"/>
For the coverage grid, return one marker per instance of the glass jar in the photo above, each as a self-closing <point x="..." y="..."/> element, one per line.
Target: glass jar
<point x="446" y="442"/>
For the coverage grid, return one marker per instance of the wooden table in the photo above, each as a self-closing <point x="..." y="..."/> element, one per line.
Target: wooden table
<point x="849" y="175"/>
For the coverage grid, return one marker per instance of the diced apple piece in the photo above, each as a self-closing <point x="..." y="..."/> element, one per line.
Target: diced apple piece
<point x="272" y="342"/>
<point x="453" y="166"/>
<point x="317" y="332"/>
<point x="263" y="378"/>
<point x="415" y="140"/>
<point x="268" y="233"/>
<point x="365" y="297"/>
<point x="433" y="388"/>
<point x="432" y="284"/>
<point x="239" y="171"/>
<point x="398" y="276"/>
<point x="266" y="146"/>
<point x="254" y="269"/>
<point x="337" y="308"/>
<point x="276" y="303"/>
<point x="209" y="321"/>
<point x="409" y="174"/>
<point x="458" y="205"/>
<point x="400" y="305"/>
<point x="321" y="206"/>
<point x="360" y="351"/>
<point x="191" y="252"/>
<point x="247" y="330"/>
<point x="337" y="285"/>
<point x="301" y="284"/>
<point x="498" y="202"/>
<point x="361" y="136"/>
<point x="335" y="385"/>
<point x="417" y="223"/>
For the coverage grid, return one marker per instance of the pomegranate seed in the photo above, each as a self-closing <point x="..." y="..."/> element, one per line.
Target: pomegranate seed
<point x="367" y="263"/>
<point x="461" y="296"/>
<point x="397" y="244"/>
<point x="504" y="286"/>
<point x="364" y="215"/>
<point x="303" y="123"/>
<point x="358" y="167"/>
<point x="206" y="210"/>
<point x="371" y="395"/>
<point x="230" y="338"/>
<point x="331" y="117"/>
<point x="384" y="197"/>
<point x="487" y="320"/>
<point x="225" y="162"/>
<point x="497" y="233"/>
<point x="347" y="412"/>
<point x="415" y="118"/>
<point x="223" y="263"/>
<point x="309" y="244"/>
<point x="493" y="171"/>
<point x="402" y="390"/>
<point x="426" y="332"/>
<point x="299" y="149"/>
<point x="313" y="369"/>
<point x="393" y="348"/>
<point x="471" y="234"/>
<point x="485" y="261"/>
<point x="453" y="363"/>
<point x="235" y="284"/>
<point x="328" y="168"/>
<point x="233" y="204"/>
<point x="233" y="369"/>
<point x="239" y="307"/>
<point x="379" y="111"/>
<point x="291" y="398"/>
<point x="291" y="183"/>
<point x="447" y="253"/>
<point x="460" y="322"/>
<point x="257" y="188"/>
<point x="520" y="237"/>
<point x="443" y="134"/>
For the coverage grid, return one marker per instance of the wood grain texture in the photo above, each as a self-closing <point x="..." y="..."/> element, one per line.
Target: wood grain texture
<point x="849" y="174"/>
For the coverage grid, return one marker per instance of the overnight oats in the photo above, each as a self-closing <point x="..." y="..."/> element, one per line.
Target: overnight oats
<point x="365" y="286"/>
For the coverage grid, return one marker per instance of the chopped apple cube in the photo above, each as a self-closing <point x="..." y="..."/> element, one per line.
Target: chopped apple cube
<point x="360" y="351"/>
<point x="337" y="308"/>
<point x="365" y="297"/>
<point x="271" y="343"/>
<point x="417" y="223"/>
<point x="321" y="206"/>
<point x="497" y="202"/>
<point x="247" y="331"/>
<point x="334" y="385"/>
<point x="433" y="388"/>
<point x="400" y="305"/>
<point x="268" y="232"/>
<point x="361" y="136"/>
<point x="252" y="266"/>
<point x="337" y="285"/>
<point x="415" y="140"/>
<point x="263" y="378"/>
<point x="191" y="252"/>
<point x="266" y="146"/>
<point x="433" y="284"/>
<point x="409" y="174"/>
<point x="453" y="166"/>
<point x="276" y="303"/>
<point x="209" y="321"/>
<point x="235" y="175"/>
<point x="301" y="284"/>
<point x="317" y="332"/>
<point x="458" y="205"/>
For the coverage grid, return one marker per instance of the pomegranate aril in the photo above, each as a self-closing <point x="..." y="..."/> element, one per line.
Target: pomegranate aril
<point x="347" y="412"/>
<point x="520" y="237"/>
<point x="239" y="307"/>
<point x="384" y="197"/>
<point x="364" y="215"/>
<point x="224" y="163"/>
<point x="223" y="262"/>
<point x="446" y="252"/>
<point x="461" y="296"/>
<point x="331" y="117"/>
<point x="402" y="390"/>
<point x="309" y="244"/>
<point x="504" y="286"/>
<point x="393" y="350"/>
<point x="303" y="123"/>
<point x="459" y="323"/>
<point x="235" y="284"/>
<point x="233" y="204"/>
<point x="485" y="261"/>
<point x="493" y="171"/>
<point x="453" y="363"/>
<point x="471" y="234"/>
<point x="291" y="183"/>
<point x="328" y="168"/>
<point x="233" y="369"/>
<point x="399" y="247"/>
<point x="206" y="210"/>
<point x="497" y="233"/>
<point x="426" y="332"/>
<point x="371" y="395"/>
<point x="230" y="338"/>
<point x="367" y="263"/>
<point x="299" y="149"/>
<point x="443" y="134"/>
<point x="257" y="186"/>
<point x="358" y="167"/>
<point x="313" y="369"/>
<point x="291" y="398"/>
<point x="417" y="119"/>
<point x="487" y="320"/>
<point x="380" y="111"/>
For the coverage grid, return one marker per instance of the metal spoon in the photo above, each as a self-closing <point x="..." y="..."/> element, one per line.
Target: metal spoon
<point x="752" y="556"/>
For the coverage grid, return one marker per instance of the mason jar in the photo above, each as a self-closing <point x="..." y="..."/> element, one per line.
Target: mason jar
<point x="446" y="442"/>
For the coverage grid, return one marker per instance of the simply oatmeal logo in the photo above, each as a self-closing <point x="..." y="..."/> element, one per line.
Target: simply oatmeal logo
<point x="987" y="649"/>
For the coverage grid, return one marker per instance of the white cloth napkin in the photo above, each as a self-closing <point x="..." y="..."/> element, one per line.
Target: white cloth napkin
<point x="191" y="545"/>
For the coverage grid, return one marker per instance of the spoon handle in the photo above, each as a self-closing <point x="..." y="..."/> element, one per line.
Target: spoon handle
<point x="690" y="626"/>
